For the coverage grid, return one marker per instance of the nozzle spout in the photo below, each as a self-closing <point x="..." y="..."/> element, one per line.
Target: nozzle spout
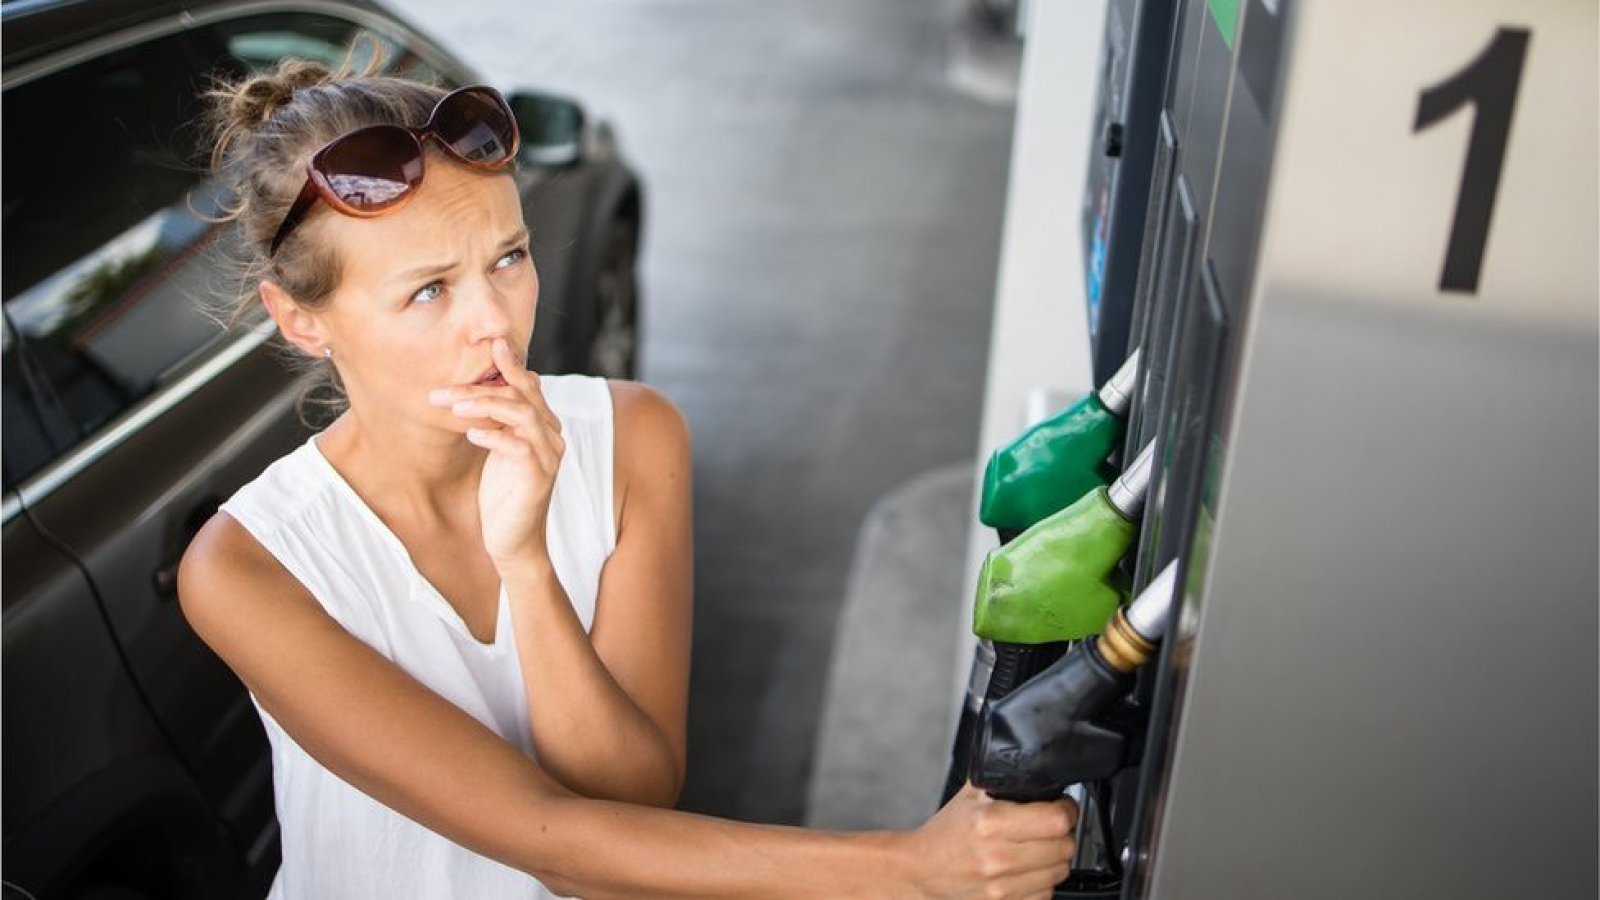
<point x="1148" y="613"/>
<point x="1117" y="393"/>
<point x="1128" y="491"/>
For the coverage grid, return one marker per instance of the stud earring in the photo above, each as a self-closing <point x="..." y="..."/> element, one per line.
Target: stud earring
<point x="327" y="353"/>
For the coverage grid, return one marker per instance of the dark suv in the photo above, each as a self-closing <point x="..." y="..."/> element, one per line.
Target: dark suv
<point x="133" y="762"/>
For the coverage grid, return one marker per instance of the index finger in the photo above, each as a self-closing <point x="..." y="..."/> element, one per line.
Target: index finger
<point x="512" y="369"/>
<point x="1041" y="820"/>
<point x="524" y="380"/>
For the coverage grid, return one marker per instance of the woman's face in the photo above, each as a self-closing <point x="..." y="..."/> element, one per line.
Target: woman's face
<point x="425" y="291"/>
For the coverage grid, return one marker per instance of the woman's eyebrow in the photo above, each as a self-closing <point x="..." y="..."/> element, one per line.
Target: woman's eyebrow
<point x="424" y="270"/>
<point x="517" y="237"/>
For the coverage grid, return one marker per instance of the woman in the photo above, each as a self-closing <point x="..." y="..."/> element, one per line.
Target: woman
<point x="462" y="609"/>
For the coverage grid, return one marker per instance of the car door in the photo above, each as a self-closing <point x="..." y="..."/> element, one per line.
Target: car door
<point x="109" y="242"/>
<point x="73" y="719"/>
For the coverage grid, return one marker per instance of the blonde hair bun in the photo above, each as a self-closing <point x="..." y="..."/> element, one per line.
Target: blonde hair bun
<point x="253" y="101"/>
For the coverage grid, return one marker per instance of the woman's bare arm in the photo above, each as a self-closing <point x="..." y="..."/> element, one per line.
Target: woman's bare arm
<point x="609" y="708"/>
<point x="372" y="724"/>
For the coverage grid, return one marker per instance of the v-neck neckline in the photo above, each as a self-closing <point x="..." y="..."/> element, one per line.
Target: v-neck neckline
<point x="440" y="605"/>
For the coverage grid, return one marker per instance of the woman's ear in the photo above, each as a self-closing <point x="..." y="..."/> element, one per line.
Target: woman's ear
<point x="297" y="326"/>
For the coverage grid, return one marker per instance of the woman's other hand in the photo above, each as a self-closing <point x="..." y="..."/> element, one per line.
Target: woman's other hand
<point x="980" y="847"/>
<point x="514" y="423"/>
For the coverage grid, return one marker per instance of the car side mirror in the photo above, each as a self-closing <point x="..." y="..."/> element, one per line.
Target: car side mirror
<point x="551" y="129"/>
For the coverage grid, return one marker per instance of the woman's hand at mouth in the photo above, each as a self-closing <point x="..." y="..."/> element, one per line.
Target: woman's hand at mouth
<point x="523" y="437"/>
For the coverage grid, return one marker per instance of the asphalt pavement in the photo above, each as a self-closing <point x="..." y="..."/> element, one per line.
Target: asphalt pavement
<point x="825" y="185"/>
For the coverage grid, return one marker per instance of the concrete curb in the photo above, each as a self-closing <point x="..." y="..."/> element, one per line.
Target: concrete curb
<point x="883" y="745"/>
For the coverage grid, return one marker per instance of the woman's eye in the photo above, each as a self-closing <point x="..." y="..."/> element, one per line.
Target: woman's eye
<point x="511" y="258"/>
<point x="428" y="293"/>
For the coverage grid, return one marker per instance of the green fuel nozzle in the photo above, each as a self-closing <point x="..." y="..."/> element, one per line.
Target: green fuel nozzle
<point x="1051" y="732"/>
<point x="1053" y="582"/>
<point x="1050" y="585"/>
<point x="1058" y="460"/>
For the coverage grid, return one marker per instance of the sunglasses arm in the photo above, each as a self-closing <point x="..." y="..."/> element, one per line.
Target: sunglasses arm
<point x="297" y="211"/>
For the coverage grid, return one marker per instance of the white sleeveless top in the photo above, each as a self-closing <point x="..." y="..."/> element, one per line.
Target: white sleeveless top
<point x="337" y="841"/>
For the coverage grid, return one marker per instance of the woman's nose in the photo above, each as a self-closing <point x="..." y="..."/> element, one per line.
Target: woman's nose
<point x="488" y="312"/>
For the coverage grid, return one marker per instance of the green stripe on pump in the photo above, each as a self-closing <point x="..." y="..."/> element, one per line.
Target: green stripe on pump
<point x="1226" y="14"/>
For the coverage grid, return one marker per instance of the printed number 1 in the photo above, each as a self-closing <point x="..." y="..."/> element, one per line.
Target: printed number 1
<point x="1490" y="82"/>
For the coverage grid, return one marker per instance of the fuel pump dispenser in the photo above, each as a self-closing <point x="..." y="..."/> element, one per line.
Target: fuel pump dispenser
<point x="1369" y="239"/>
<point x="1054" y="584"/>
<point x="1058" y="460"/>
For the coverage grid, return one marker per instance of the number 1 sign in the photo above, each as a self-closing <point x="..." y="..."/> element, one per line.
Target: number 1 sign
<point x="1435" y="151"/>
<point x="1489" y="83"/>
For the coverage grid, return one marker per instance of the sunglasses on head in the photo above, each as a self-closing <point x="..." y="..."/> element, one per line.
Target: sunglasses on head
<point x="375" y="170"/>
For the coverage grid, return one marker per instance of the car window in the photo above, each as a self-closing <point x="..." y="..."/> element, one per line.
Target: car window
<point x="109" y="233"/>
<point x="260" y="41"/>
<point x="105" y="209"/>
<point x="30" y="415"/>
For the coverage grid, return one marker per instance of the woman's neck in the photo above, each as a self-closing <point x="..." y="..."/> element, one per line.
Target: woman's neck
<point x="425" y="476"/>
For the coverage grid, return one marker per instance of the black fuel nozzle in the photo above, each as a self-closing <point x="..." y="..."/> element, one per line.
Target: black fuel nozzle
<point x="1054" y="731"/>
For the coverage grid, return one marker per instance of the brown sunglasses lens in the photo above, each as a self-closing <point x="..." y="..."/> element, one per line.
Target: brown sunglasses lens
<point x="476" y="127"/>
<point x="372" y="168"/>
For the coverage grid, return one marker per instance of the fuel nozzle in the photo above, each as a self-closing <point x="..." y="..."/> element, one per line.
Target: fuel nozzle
<point x="1049" y="733"/>
<point x="1053" y="583"/>
<point x="1058" y="460"/>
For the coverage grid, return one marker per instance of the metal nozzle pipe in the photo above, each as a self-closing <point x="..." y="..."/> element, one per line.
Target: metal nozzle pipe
<point x="1128" y="491"/>
<point x="1148" y="613"/>
<point x="1132" y="635"/>
<point x="1117" y="393"/>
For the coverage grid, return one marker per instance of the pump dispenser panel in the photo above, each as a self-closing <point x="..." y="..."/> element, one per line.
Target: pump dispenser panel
<point x="1123" y="145"/>
<point x="1363" y="291"/>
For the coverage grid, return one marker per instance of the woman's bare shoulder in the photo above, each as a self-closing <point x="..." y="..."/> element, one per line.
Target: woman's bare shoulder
<point x="652" y="445"/>
<point x="226" y="575"/>
<point x="646" y="419"/>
